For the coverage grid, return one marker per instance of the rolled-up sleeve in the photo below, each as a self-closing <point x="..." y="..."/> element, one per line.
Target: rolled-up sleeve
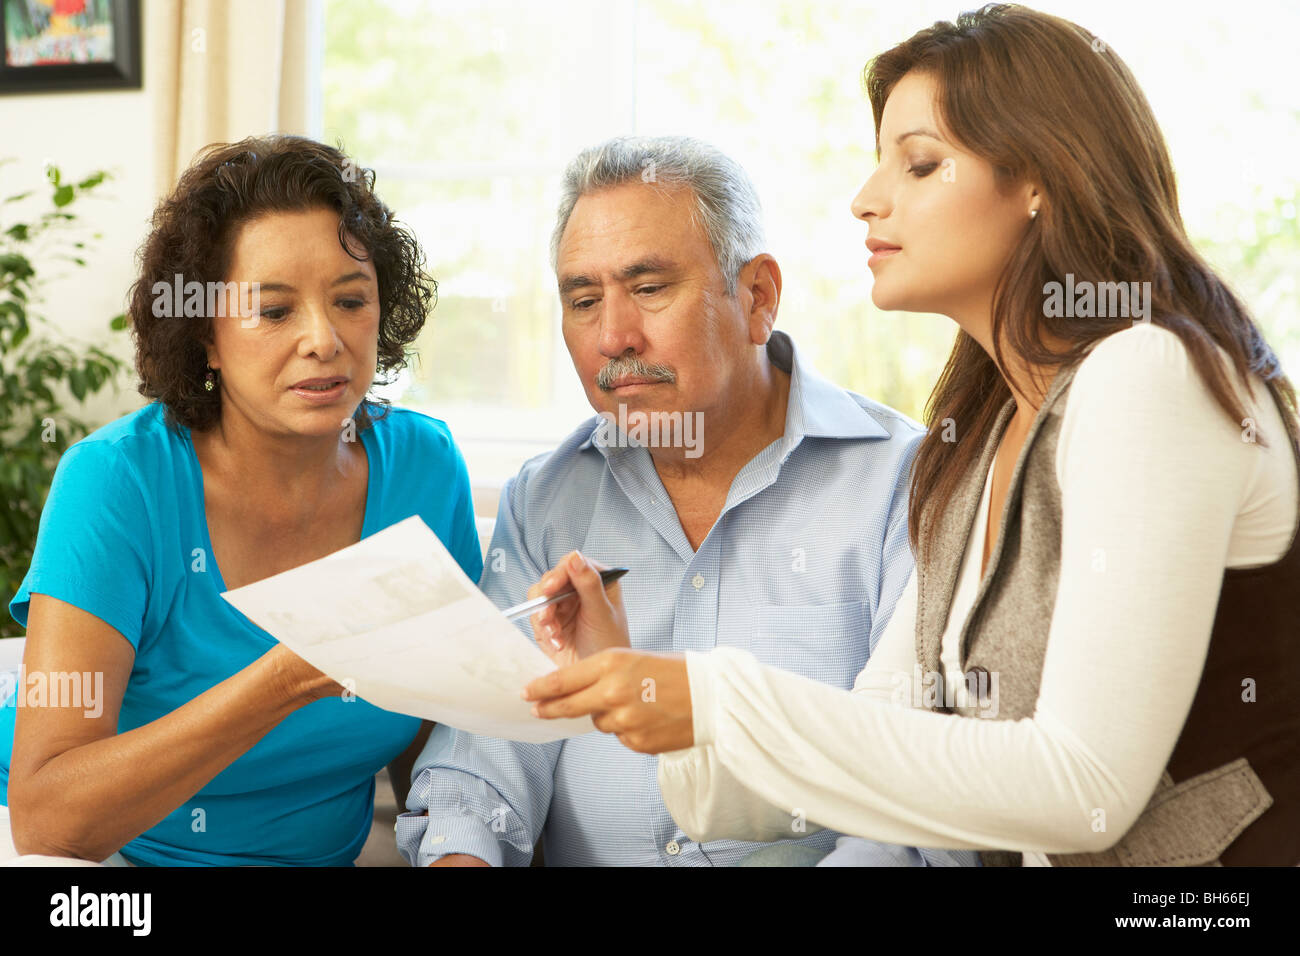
<point x="483" y="797"/>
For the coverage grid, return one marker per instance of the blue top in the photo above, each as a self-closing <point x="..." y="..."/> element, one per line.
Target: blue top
<point x="124" y="536"/>
<point x="802" y="569"/>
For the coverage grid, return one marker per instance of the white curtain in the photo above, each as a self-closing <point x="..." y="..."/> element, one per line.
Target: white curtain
<point x="220" y="70"/>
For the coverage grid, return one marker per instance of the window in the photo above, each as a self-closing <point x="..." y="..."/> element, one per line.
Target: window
<point x="469" y="110"/>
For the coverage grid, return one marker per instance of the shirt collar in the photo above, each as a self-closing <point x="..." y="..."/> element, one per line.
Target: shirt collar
<point x="816" y="408"/>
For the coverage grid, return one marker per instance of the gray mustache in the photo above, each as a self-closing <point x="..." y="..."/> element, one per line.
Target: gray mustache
<point x="631" y="365"/>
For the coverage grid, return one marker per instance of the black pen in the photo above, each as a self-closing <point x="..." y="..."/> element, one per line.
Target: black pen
<point x="528" y="607"/>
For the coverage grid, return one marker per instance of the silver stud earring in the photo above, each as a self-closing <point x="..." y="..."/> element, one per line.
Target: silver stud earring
<point x="1033" y="214"/>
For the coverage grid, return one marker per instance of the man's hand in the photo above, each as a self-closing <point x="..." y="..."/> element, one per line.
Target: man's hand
<point x="643" y="698"/>
<point x="579" y="626"/>
<point x="458" y="859"/>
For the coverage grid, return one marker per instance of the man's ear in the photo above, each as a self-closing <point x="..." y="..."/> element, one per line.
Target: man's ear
<point x="761" y="278"/>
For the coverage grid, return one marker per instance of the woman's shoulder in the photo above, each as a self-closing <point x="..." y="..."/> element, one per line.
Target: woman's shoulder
<point x="1144" y="344"/>
<point x="409" y="432"/>
<point x="1141" y="387"/>
<point x="1139" y="404"/>
<point x="1150" y="367"/>
<point x="124" y="474"/>
<point x="137" y="442"/>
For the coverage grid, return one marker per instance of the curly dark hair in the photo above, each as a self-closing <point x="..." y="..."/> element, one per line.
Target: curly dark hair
<point x="193" y="233"/>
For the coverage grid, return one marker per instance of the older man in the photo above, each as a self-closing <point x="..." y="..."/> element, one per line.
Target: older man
<point x="757" y="505"/>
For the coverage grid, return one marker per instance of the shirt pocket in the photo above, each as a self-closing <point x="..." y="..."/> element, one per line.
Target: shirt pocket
<point x="825" y="642"/>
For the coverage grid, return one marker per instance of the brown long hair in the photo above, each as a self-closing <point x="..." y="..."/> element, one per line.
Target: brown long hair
<point x="1040" y="98"/>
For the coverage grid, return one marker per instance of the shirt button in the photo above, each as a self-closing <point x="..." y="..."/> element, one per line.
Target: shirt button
<point x="697" y="582"/>
<point x="673" y="848"/>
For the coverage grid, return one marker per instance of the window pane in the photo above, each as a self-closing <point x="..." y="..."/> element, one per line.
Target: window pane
<point x="469" y="110"/>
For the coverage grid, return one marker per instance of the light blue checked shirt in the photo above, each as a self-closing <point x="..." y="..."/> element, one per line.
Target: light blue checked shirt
<point x="801" y="569"/>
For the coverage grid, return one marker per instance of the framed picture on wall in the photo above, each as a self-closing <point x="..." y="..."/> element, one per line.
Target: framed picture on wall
<point x="66" y="45"/>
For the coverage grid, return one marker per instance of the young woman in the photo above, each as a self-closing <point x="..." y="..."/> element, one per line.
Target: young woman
<point x="1095" y="661"/>
<point x="211" y="743"/>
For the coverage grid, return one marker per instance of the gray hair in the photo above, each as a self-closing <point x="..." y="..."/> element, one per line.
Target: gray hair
<point x="726" y="204"/>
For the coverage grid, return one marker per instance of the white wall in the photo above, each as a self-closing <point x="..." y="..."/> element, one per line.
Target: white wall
<point x="83" y="132"/>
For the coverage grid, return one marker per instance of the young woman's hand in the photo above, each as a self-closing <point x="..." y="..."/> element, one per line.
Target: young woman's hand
<point x="579" y="626"/>
<point x="645" y="699"/>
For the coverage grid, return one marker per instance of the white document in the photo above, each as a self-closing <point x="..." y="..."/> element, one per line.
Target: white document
<point x="394" y="618"/>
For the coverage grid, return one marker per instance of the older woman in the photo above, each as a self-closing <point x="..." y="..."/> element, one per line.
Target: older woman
<point x="1096" y="661"/>
<point x="261" y="451"/>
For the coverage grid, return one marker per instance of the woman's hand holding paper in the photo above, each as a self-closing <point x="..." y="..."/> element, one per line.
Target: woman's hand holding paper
<point x="644" y="699"/>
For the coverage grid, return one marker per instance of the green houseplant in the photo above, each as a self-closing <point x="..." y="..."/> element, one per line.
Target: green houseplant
<point x="37" y="372"/>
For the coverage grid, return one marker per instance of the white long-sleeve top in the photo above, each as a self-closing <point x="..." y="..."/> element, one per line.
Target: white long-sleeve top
<point x="1160" y="492"/>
